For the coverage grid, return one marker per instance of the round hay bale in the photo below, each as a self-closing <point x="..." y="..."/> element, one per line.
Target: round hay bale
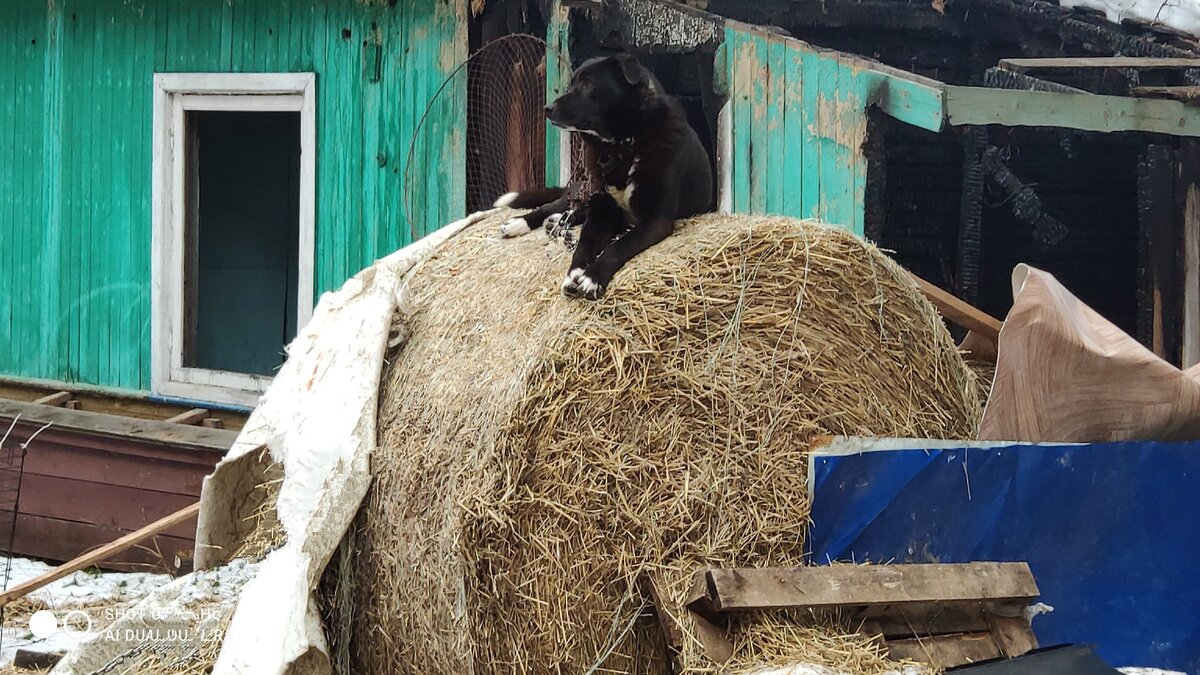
<point x="539" y="457"/>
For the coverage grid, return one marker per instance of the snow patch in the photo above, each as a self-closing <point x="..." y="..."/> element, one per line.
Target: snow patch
<point x="100" y="596"/>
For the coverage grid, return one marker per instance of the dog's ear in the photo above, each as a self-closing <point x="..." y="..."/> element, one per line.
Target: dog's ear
<point x="630" y="68"/>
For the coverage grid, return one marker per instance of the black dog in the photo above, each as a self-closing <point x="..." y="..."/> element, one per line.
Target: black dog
<point x="647" y="157"/>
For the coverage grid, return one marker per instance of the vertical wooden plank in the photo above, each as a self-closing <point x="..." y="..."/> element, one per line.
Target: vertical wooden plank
<point x="827" y="79"/>
<point x="742" y="70"/>
<point x="10" y="28"/>
<point x="760" y="140"/>
<point x="795" y="120"/>
<point x="99" y="286"/>
<point x="455" y="156"/>
<point x="777" y="91"/>
<point x="558" y="74"/>
<point x="810" y="181"/>
<point x="857" y="202"/>
<point x="1189" y="162"/>
<point x="373" y="113"/>
<point x="1157" y="217"/>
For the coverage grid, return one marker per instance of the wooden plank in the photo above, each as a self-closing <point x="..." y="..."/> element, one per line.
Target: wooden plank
<point x="795" y="117"/>
<point x="1087" y="112"/>
<point x="101" y="554"/>
<point x="741" y="51"/>
<point x="55" y="399"/>
<point x="1189" y="183"/>
<point x="1013" y="635"/>
<point x="960" y="312"/>
<point x="28" y="659"/>
<point x="849" y="585"/>
<point x="810" y="198"/>
<point x="672" y="633"/>
<point x="717" y="645"/>
<point x="1184" y="94"/>
<point x="1159" y="243"/>
<point x="53" y="539"/>
<point x="713" y="637"/>
<point x="776" y="126"/>
<point x="760" y="138"/>
<point x="1075" y="62"/>
<point x="116" y="461"/>
<point x="908" y="97"/>
<point x="193" y="416"/>
<point x="946" y="651"/>
<point x="926" y="619"/>
<point x="99" y="504"/>
<point x="119" y="427"/>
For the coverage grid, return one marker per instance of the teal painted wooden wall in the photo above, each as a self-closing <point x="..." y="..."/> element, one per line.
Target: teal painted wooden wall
<point x="799" y="121"/>
<point x="75" y="151"/>
<point x="558" y="78"/>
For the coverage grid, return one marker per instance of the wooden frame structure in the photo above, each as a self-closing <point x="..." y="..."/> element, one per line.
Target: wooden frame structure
<point x="175" y="94"/>
<point x="945" y="615"/>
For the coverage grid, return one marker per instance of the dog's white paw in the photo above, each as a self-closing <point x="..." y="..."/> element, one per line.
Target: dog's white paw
<point x="515" y="227"/>
<point x="570" y="281"/>
<point x="552" y="221"/>
<point x="579" y="285"/>
<point x="505" y="199"/>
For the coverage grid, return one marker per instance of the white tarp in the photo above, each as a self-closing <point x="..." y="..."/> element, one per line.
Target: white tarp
<point x="317" y="420"/>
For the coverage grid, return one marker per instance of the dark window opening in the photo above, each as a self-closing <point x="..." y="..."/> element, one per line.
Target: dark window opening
<point x="242" y="229"/>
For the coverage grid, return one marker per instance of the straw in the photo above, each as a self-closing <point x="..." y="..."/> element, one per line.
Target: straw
<point x="539" y="456"/>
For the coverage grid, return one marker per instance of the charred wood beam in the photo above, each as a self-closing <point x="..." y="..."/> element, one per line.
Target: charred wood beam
<point x="1159" y="241"/>
<point x="875" y="153"/>
<point x="665" y="28"/>
<point x="1000" y="78"/>
<point x="970" y="227"/>
<point x="839" y="14"/>
<point x="1095" y="36"/>
<point x="1025" y="204"/>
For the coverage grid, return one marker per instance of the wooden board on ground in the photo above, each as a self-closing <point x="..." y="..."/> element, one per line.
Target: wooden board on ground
<point x="850" y="585"/>
<point x="946" y="651"/>
<point x="945" y="615"/>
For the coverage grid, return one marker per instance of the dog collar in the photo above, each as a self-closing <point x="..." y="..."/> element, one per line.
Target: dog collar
<point x="621" y="153"/>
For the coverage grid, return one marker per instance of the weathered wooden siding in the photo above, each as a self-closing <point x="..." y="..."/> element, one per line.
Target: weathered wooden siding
<point x="75" y="151"/>
<point x="558" y="77"/>
<point x="799" y="120"/>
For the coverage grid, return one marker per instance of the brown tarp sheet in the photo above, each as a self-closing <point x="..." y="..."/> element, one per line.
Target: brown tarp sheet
<point x="1065" y="373"/>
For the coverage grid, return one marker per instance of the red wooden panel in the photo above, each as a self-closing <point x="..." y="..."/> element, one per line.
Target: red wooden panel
<point x="101" y="504"/>
<point x="60" y="540"/>
<point x="131" y="446"/>
<point x="116" y="468"/>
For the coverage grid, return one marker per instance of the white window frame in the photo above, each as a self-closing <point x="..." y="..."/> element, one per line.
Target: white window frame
<point x="174" y="95"/>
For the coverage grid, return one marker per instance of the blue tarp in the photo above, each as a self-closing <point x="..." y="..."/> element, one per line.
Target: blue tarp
<point x="1111" y="531"/>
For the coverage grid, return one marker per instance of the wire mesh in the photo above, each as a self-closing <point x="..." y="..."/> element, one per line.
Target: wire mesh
<point x="506" y="125"/>
<point x="12" y="472"/>
<point x="505" y="84"/>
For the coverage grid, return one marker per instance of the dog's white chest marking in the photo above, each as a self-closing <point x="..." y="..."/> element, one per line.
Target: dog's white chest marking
<point x="622" y="197"/>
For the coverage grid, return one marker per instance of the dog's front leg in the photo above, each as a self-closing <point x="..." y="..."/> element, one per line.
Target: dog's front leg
<point x="594" y="281"/>
<point x="603" y="222"/>
<point x="515" y="227"/>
